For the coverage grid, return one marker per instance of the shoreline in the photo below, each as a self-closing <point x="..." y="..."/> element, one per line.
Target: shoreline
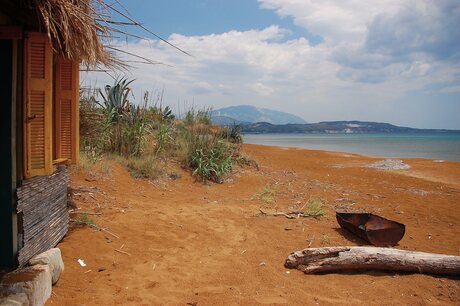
<point x="440" y="160"/>
<point x="353" y="154"/>
<point x="447" y="172"/>
<point x="386" y="146"/>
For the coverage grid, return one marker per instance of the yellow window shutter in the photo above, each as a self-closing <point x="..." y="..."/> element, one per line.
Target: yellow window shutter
<point x="67" y="93"/>
<point x="38" y="105"/>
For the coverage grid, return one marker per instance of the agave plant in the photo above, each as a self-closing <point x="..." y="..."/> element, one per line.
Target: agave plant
<point x="167" y="114"/>
<point x="116" y="98"/>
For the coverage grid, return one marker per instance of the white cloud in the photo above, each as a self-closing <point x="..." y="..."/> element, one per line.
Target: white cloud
<point x="335" y="21"/>
<point x="262" y="89"/>
<point x="451" y="89"/>
<point x="238" y="64"/>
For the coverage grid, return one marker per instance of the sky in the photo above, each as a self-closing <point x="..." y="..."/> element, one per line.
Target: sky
<point x="395" y="61"/>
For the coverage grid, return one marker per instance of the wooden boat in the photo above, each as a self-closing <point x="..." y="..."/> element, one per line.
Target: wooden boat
<point x="372" y="228"/>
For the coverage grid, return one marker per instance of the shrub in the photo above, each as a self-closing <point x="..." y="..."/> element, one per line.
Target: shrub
<point x="116" y="126"/>
<point x="232" y="133"/>
<point x="143" y="167"/>
<point x="164" y="138"/>
<point x="200" y="116"/>
<point x="212" y="161"/>
<point x="147" y="135"/>
<point x="91" y="127"/>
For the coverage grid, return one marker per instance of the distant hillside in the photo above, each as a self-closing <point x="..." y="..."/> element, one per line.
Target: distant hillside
<point x="250" y="114"/>
<point x="335" y="127"/>
<point x="224" y="120"/>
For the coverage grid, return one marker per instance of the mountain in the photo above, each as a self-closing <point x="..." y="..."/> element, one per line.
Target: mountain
<point x="335" y="127"/>
<point x="224" y="120"/>
<point x="251" y="114"/>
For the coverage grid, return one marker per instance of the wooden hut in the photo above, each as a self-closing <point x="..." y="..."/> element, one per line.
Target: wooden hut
<point x="42" y="44"/>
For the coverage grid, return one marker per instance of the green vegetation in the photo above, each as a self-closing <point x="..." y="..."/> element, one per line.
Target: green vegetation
<point x="315" y="208"/>
<point x="246" y="160"/>
<point x="232" y="133"/>
<point x="84" y="219"/>
<point x="200" y="116"/>
<point x="93" y="164"/>
<point x="325" y="239"/>
<point x="213" y="160"/>
<point x="266" y="195"/>
<point x="143" y="167"/>
<point x="148" y="136"/>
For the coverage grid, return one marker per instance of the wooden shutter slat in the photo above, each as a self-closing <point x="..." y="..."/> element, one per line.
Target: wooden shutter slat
<point x="67" y="103"/>
<point x="37" y="57"/>
<point x="66" y="128"/>
<point x="38" y="105"/>
<point x="66" y="75"/>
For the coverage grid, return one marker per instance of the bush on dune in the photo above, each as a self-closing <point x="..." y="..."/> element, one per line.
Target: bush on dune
<point x="147" y="135"/>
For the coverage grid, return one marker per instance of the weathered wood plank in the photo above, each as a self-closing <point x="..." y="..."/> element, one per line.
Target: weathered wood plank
<point x="330" y="259"/>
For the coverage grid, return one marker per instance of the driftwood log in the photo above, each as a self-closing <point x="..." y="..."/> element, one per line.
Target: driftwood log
<point x="330" y="259"/>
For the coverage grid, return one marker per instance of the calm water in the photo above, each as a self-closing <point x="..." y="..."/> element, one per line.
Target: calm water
<point x="434" y="146"/>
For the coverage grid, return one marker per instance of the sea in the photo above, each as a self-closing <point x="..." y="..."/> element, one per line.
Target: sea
<point x="432" y="146"/>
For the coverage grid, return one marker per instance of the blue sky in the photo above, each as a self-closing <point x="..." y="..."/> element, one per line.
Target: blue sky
<point x="190" y="18"/>
<point x="395" y="61"/>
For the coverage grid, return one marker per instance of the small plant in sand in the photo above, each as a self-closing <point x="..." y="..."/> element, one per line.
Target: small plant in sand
<point x="246" y="160"/>
<point x="315" y="208"/>
<point x="266" y="195"/>
<point x="85" y="219"/>
<point x="325" y="239"/>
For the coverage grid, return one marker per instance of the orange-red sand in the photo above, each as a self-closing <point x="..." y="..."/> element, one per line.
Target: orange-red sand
<point x="183" y="242"/>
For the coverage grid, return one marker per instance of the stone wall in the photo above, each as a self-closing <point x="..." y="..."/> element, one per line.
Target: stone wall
<point x="43" y="214"/>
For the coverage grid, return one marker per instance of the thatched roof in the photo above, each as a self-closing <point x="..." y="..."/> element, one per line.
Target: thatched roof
<point x="82" y="29"/>
<point x="75" y="29"/>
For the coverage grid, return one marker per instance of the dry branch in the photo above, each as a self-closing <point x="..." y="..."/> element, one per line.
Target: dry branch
<point x="122" y="252"/>
<point x="330" y="259"/>
<point x="85" y="213"/>
<point x="82" y="189"/>
<point x="100" y="229"/>
<point x="290" y="214"/>
<point x="144" y="28"/>
<point x="104" y="230"/>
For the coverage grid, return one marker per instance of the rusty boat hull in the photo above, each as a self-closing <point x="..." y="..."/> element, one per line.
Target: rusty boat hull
<point x="376" y="230"/>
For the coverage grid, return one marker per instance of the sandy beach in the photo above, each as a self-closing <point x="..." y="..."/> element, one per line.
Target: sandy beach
<point x="182" y="242"/>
